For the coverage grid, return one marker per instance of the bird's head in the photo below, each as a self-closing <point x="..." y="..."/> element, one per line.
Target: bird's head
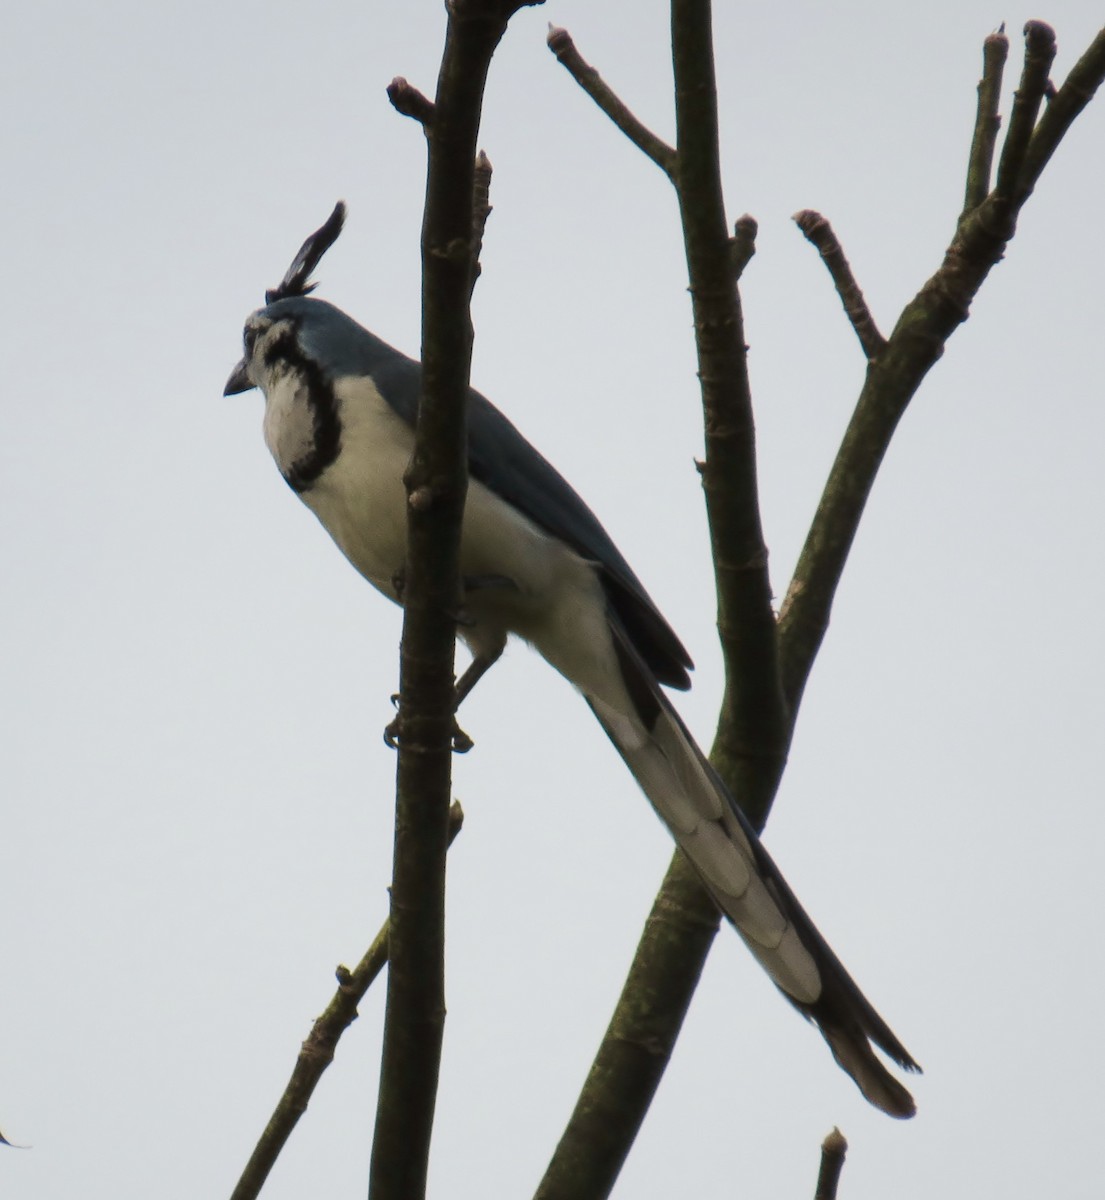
<point x="307" y="336"/>
<point x="291" y="329"/>
<point x="266" y="340"/>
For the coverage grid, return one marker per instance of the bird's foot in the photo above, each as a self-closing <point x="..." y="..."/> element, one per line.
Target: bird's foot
<point x="461" y="742"/>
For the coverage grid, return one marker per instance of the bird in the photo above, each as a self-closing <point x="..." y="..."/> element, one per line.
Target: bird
<point x="536" y="563"/>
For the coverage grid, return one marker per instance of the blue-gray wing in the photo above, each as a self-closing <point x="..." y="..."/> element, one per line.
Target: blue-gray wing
<point x="501" y="459"/>
<point x="505" y="462"/>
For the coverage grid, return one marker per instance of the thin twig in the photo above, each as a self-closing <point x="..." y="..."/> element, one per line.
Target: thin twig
<point x="833" y="1150"/>
<point x="561" y="44"/>
<point x="317" y="1052"/>
<point x="1077" y="91"/>
<point x="820" y="233"/>
<point x="980" y="164"/>
<point x="1039" y="53"/>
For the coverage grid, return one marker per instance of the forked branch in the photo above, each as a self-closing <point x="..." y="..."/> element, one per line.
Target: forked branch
<point x="666" y="969"/>
<point x="917" y="342"/>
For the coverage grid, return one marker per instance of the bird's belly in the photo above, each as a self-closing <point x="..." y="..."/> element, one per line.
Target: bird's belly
<point x="364" y="511"/>
<point x="373" y="544"/>
<point x="527" y="583"/>
<point x="512" y="563"/>
<point x="519" y="579"/>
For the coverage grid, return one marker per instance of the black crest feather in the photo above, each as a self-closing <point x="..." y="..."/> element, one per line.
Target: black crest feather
<point x="295" y="281"/>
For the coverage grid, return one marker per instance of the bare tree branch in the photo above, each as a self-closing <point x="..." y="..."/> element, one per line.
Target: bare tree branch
<point x="914" y="346"/>
<point x="436" y="484"/>
<point x="751" y="742"/>
<point x="995" y="50"/>
<point x="750" y="758"/>
<point x="750" y="747"/>
<point x="833" y="1150"/>
<point x="1077" y="91"/>
<point x="1039" y="53"/>
<point x="561" y="44"/>
<point x="638" y="1043"/>
<point x="820" y="233"/>
<point x="317" y="1052"/>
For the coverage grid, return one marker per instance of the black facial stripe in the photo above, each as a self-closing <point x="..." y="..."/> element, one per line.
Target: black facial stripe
<point x="324" y="411"/>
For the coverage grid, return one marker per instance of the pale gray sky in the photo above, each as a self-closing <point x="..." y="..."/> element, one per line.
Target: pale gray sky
<point x="193" y="682"/>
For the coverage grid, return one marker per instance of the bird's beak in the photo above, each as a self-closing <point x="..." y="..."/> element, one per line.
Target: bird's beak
<point x="239" y="380"/>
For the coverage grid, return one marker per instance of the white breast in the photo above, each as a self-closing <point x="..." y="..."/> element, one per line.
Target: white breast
<point x="360" y="498"/>
<point x="289" y="425"/>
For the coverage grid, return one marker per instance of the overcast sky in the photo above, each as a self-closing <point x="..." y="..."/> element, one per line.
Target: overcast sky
<point x="193" y="682"/>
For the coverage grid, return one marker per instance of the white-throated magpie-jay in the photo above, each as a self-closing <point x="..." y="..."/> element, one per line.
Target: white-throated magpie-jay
<point x="339" y="420"/>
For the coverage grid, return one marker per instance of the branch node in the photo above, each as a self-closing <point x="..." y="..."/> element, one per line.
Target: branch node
<point x="742" y="245"/>
<point x="421" y="499"/>
<point x="408" y="101"/>
<point x="481" y="210"/>
<point x="833" y="1150"/>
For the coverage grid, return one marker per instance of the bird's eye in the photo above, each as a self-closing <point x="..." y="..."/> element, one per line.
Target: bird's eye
<point x="249" y="337"/>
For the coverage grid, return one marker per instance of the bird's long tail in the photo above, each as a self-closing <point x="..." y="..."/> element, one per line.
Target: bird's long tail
<point x="749" y="889"/>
